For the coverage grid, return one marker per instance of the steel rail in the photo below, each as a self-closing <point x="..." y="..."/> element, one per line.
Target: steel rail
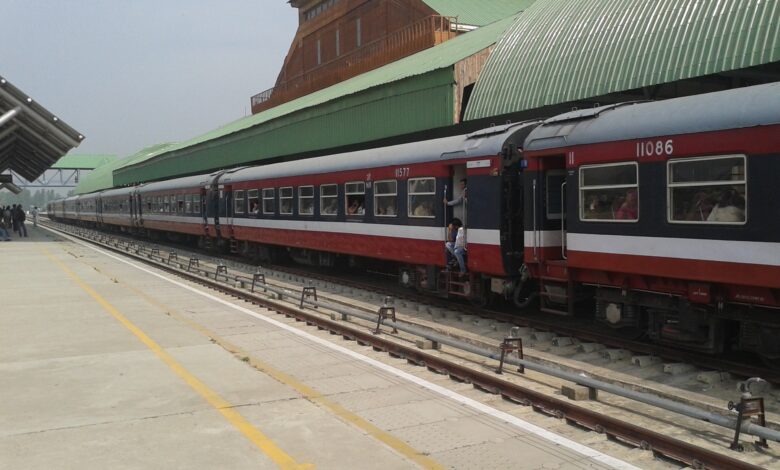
<point x="676" y="449"/>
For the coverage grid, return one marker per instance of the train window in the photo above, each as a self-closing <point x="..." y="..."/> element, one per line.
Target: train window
<point x="422" y="192"/>
<point x="329" y="199"/>
<point x="268" y="201"/>
<point x="180" y="204"/>
<point x="355" y="197"/>
<point x="707" y="190"/>
<point x="609" y="192"/>
<point x="286" y="200"/>
<point x="385" y="198"/>
<point x="196" y="203"/>
<point x="253" y="203"/>
<point x="238" y="202"/>
<point x="166" y="204"/>
<point x="306" y="200"/>
<point x="188" y="203"/>
<point x="148" y="201"/>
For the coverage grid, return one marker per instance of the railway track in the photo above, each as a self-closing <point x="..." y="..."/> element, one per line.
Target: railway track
<point x="458" y="366"/>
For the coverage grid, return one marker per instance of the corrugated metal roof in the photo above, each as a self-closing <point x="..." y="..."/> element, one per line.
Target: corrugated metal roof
<point x="103" y="176"/>
<point x="752" y="106"/>
<point x="82" y="162"/>
<point x="559" y="50"/>
<point x="433" y="59"/>
<point x="31" y="137"/>
<point x="478" y="12"/>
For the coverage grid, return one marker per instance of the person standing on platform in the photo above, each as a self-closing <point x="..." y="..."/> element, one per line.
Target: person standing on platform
<point x="3" y="227"/>
<point x="19" y="218"/>
<point x="35" y="215"/>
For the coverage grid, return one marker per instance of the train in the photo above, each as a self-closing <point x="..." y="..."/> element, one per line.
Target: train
<point x="658" y="218"/>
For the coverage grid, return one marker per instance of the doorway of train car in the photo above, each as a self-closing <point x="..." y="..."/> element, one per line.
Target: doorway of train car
<point x="548" y="206"/>
<point x="548" y="188"/>
<point x="455" y="195"/>
<point x="454" y="279"/>
<point x="138" y="216"/>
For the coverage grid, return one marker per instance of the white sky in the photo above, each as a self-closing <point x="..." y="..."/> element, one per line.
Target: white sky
<point x="132" y="73"/>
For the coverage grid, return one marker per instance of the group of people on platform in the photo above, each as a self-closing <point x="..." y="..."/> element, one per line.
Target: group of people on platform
<point x="13" y="218"/>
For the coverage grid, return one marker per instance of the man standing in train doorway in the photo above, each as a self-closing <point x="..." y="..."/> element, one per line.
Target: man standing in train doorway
<point x="461" y="199"/>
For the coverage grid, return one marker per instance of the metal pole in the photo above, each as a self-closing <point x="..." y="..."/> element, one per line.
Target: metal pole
<point x="9" y="115"/>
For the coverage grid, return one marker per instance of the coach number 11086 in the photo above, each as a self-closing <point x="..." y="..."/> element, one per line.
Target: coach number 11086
<point x="655" y="148"/>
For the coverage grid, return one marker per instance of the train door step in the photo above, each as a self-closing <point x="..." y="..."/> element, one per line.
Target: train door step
<point x="457" y="284"/>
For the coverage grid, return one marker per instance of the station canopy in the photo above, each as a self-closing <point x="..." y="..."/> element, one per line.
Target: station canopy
<point x="561" y="51"/>
<point x="31" y="138"/>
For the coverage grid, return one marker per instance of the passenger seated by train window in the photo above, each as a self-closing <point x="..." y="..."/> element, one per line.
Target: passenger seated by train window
<point x="353" y="207"/>
<point x="331" y="206"/>
<point x="700" y="207"/>
<point x="628" y="209"/>
<point x="424" y="209"/>
<point x="730" y="208"/>
<point x="255" y="208"/>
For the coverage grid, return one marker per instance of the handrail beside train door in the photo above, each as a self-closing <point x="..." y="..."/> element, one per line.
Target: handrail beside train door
<point x="535" y="226"/>
<point x="563" y="220"/>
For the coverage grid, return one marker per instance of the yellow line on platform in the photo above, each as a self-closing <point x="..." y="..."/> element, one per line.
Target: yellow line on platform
<point x="266" y="445"/>
<point x="307" y="392"/>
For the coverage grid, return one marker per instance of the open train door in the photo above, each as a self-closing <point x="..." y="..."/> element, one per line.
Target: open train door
<point x="546" y="240"/>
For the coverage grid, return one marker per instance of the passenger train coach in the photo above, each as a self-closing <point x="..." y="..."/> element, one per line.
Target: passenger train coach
<point x="666" y="213"/>
<point x="661" y="217"/>
<point x="379" y="204"/>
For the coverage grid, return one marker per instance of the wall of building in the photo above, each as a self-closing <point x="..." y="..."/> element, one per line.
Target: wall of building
<point x="406" y="106"/>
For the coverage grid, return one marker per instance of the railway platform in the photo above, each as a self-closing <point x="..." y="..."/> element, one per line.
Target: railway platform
<point x="107" y="363"/>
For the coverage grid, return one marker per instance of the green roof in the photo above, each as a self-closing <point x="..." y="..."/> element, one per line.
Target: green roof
<point x="478" y="12"/>
<point x="82" y="162"/>
<point x="205" y="152"/>
<point x="609" y="46"/>
<point x="103" y="176"/>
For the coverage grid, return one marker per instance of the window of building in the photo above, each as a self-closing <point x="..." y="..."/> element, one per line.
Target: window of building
<point x="269" y="201"/>
<point x="422" y="193"/>
<point x="355" y="200"/>
<point x="707" y="190"/>
<point x="318" y="9"/>
<point x="386" y="198"/>
<point x="319" y="52"/>
<point x="609" y="192"/>
<point x="306" y="200"/>
<point x="359" y="28"/>
<point x="338" y="43"/>
<point x="253" y="201"/>
<point x="286" y="200"/>
<point x="329" y="204"/>
<point x="238" y="202"/>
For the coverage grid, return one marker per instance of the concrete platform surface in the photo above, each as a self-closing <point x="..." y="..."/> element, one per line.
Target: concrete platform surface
<point x="107" y="366"/>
